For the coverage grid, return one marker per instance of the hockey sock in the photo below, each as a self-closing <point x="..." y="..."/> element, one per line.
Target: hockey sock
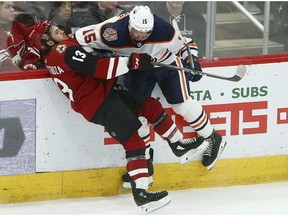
<point x="195" y="116"/>
<point x="138" y="171"/>
<point x="162" y="123"/>
<point x="136" y="161"/>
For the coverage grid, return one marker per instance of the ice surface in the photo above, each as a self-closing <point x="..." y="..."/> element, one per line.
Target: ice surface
<point x="263" y="199"/>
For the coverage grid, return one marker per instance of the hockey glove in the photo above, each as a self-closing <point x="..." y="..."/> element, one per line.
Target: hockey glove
<point x="197" y="67"/>
<point x="140" y="62"/>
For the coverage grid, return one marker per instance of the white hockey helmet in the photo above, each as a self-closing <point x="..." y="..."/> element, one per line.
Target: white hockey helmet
<point x="141" y="19"/>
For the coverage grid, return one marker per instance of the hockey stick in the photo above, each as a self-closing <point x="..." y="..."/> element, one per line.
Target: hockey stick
<point x="175" y="25"/>
<point x="240" y="72"/>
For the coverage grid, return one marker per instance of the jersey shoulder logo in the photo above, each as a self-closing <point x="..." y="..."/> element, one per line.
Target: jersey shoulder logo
<point x="110" y="34"/>
<point x="61" y="48"/>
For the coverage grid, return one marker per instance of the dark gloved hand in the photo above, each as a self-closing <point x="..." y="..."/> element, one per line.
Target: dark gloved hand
<point x="140" y="61"/>
<point x="197" y="67"/>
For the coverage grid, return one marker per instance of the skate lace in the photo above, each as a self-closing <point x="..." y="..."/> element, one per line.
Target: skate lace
<point x="153" y="192"/>
<point x="146" y="194"/>
<point x="189" y="141"/>
<point x="209" y="149"/>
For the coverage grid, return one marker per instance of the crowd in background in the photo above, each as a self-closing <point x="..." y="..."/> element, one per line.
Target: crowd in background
<point x="18" y="51"/>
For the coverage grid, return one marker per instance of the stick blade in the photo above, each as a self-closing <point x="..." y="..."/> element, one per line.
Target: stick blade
<point x="175" y="25"/>
<point x="241" y="71"/>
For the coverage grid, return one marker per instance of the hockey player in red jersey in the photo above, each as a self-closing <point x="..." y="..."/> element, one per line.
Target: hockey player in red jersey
<point x="88" y="80"/>
<point x="16" y="45"/>
<point x="142" y="32"/>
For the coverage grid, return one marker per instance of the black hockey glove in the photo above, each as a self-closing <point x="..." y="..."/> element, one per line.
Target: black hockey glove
<point x="197" y="67"/>
<point x="140" y="62"/>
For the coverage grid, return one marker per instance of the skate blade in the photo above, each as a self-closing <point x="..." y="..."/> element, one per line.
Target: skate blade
<point x="188" y="156"/>
<point x="153" y="206"/>
<point x="221" y="147"/>
<point x="127" y="185"/>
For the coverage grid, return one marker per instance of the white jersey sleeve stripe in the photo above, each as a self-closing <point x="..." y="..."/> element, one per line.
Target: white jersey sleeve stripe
<point x="110" y="68"/>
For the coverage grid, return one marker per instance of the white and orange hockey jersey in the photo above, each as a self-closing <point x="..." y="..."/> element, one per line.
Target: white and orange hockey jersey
<point x="164" y="42"/>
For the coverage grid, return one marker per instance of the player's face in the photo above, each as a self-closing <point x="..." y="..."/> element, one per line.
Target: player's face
<point x="58" y="34"/>
<point x="139" y="36"/>
<point x="6" y="12"/>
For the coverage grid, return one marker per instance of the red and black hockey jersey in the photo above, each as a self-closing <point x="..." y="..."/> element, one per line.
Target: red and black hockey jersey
<point x="85" y="78"/>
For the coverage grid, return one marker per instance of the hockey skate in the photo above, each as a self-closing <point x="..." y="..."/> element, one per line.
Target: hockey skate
<point x="149" y="201"/>
<point x="126" y="177"/>
<point x="188" y="149"/>
<point x="214" y="150"/>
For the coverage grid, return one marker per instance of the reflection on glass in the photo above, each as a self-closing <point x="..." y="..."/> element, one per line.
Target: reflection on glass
<point x="235" y="34"/>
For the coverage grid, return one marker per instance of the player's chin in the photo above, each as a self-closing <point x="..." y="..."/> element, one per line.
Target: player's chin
<point x="138" y="41"/>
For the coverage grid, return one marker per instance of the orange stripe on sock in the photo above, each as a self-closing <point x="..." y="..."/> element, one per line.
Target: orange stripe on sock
<point x="200" y="122"/>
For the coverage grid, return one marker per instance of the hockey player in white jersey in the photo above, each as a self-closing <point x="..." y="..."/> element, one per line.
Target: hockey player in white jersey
<point x="142" y="32"/>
